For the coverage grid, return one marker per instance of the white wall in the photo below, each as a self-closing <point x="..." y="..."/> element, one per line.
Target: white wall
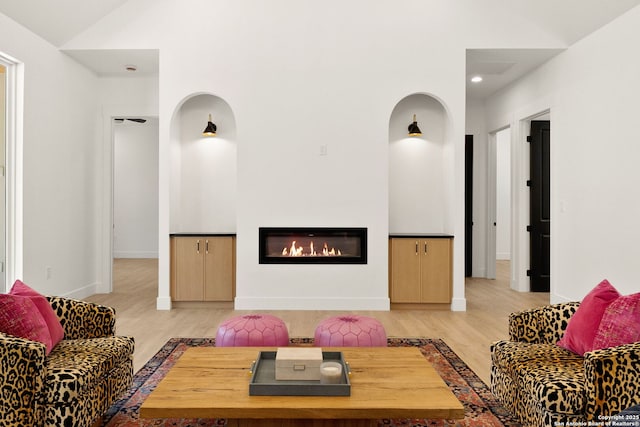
<point x="205" y="197"/>
<point x="301" y="78"/>
<point x="417" y="202"/>
<point x="592" y="91"/>
<point x="59" y="169"/>
<point x="135" y="189"/>
<point x="503" y="194"/>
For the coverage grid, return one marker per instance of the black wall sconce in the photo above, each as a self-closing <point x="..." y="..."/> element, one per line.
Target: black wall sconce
<point x="414" y="130"/>
<point x="211" y="129"/>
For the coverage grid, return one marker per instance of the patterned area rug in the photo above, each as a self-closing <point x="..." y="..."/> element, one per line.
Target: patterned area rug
<point x="481" y="407"/>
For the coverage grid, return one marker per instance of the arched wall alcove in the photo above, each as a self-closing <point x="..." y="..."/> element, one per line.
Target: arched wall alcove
<point x="203" y="169"/>
<point x="420" y="167"/>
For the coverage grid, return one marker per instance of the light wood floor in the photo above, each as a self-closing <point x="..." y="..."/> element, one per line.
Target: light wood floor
<point x="468" y="333"/>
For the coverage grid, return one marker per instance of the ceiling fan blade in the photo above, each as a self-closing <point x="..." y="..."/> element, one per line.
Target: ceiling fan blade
<point x="122" y="119"/>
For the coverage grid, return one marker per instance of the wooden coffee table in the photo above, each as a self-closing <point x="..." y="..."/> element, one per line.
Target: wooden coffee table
<point x="386" y="382"/>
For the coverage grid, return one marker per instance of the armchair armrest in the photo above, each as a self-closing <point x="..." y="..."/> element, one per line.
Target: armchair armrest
<point x="542" y="325"/>
<point x="22" y="375"/>
<point x="82" y="319"/>
<point x="612" y="379"/>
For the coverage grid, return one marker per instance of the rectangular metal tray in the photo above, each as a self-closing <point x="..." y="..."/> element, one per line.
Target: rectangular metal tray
<point x="264" y="383"/>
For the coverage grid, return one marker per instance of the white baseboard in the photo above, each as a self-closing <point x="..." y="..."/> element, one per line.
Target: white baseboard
<point x="83" y="292"/>
<point x="163" y="303"/>
<point x="459" y="304"/>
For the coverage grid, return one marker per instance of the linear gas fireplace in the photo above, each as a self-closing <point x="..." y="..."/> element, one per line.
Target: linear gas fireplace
<point x="312" y="245"/>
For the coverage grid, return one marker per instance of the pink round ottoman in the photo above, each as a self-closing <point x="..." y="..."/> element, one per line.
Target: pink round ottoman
<point x="252" y="330"/>
<point x="350" y="331"/>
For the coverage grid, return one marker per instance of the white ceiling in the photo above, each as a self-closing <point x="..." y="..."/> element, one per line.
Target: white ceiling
<point x="499" y="67"/>
<point x="114" y="62"/>
<point x="60" y="20"/>
<point x="568" y="21"/>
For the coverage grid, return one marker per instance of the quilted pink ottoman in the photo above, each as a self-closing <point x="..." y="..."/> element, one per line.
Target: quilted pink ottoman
<point x="252" y="330"/>
<point x="350" y="331"/>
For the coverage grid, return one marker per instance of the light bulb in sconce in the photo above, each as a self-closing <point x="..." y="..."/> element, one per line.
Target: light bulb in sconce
<point x="414" y="130"/>
<point x="211" y="128"/>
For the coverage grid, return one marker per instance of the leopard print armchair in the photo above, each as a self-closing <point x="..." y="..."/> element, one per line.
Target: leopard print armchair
<point x="546" y="385"/>
<point x="77" y="382"/>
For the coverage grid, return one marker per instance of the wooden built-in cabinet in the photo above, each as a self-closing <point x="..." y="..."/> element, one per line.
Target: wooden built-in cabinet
<point x="420" y="270"/>
<point x="203" y="268"/>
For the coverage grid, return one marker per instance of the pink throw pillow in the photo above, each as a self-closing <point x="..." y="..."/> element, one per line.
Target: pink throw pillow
<point x="620" y="323"/>
<point x="582" y="327"/>
<point x="20" y="317"/>
<point x="42" y="304"/>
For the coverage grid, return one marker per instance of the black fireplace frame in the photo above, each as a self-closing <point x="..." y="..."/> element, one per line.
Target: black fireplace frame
<point x="334" y="232"/>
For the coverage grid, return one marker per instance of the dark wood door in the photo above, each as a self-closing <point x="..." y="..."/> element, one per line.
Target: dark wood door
<point x="540" y="209"/>
<point x="468" y="205"/>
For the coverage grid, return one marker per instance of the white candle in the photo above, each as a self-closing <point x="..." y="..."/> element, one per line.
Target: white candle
<point x="330" y="373"/>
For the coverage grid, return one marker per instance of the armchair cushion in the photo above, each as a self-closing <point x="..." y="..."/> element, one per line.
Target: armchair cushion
<point x="511" y="356"/>
<point x="557" y="387"/>
<point x="75" y="366"/>
<point x="20" y="318"/>
<point x="620" y="323"/>
<point x="49" y="316"/>
<point x="583" y="325"/>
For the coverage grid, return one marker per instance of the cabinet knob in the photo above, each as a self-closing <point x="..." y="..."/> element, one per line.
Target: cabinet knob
<point x="206" y="246"/>
<point x="417" y="250"/>
<point x="197" y="246"/>
<point x="425" y="247"/>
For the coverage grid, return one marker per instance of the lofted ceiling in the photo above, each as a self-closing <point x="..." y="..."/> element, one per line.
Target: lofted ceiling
<point x="60" y="20"/>
<point x="567" y="21"/>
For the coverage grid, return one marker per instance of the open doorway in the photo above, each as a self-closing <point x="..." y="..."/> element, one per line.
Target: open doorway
<point x="509" y="181"/>
<point x="499" y="202"/>
<point x="135" y="191"/>
<point x="135" y="188"/>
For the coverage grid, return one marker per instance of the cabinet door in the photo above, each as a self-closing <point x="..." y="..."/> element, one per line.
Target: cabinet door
<point x="436" y="270"/>
<point x="189" y="265"/>
<point x="219" y="269"/>
<point x="405" y="271"/>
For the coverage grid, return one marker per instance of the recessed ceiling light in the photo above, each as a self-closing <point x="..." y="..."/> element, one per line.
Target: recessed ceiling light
<point x="476" y="79"/>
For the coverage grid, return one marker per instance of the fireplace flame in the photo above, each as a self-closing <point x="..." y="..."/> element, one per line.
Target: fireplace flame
<point x="296" y="251"/>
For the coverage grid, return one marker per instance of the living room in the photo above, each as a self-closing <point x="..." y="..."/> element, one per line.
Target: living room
<point x="311" y="90"/>
<point x="66" y="252"/>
